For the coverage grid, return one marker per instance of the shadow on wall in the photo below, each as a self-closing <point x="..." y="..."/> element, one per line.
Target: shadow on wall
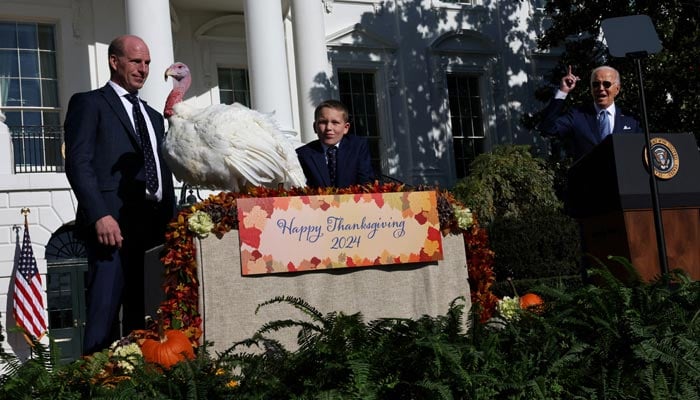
<point x="398" y="43"/>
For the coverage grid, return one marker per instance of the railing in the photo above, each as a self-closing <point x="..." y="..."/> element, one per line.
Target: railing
<point x="37" y="148"/>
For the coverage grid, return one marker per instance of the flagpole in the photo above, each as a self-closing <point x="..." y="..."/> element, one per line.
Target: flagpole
<point x="25" y="211"/>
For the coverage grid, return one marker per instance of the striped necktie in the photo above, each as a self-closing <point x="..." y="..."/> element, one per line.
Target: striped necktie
<point x="142" y="133"/>
<point x="331" y="154"/>
<point x="603" y="124"/>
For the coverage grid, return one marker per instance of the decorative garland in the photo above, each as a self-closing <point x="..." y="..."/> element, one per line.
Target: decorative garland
<point x="180" y="308"/>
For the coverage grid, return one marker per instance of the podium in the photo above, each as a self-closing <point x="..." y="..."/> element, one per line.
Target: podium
<point x="609" y="194"/>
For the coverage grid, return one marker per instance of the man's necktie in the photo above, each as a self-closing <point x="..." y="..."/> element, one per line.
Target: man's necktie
<point x="603" y="124"/>
<point x="332" y="164"/>
<point x="142" y="133"/>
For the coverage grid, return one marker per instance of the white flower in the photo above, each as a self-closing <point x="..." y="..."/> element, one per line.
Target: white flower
<point x="464" y="217"/>
<point x="200" y="223"/>
<point x="509" y="307"/>
<point x="128" y="355"/>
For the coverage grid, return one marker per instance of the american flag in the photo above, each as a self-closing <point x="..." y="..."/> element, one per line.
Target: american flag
<point x="28" y="305"/>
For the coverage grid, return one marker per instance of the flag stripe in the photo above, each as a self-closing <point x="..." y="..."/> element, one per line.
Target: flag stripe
<point x="28" y="300"/>
<point x="27" y="311"/>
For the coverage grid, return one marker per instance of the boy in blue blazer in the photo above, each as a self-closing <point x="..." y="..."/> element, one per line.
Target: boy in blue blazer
<point x="335" y="158"/>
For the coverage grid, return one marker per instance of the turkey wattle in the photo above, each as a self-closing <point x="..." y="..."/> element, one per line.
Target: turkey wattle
<point x="226" y="147"/>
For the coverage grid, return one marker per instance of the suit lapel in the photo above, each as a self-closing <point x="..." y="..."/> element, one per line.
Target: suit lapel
<point x="116" y="103"/>
<point x="592" y="120"/>
<point x="344" y="152"/>
<point x="319" y="160"/>
<point x="619" y="123"/>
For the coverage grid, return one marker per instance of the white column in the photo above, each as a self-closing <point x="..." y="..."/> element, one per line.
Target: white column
<point x="150" y="20"/>
<point x="6" y="166"/>
<point x="312" y="66"/>
<point x="267" y="62"/>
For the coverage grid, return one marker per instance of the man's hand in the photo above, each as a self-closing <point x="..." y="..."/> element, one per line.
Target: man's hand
<point x="108" y="232"/>
<point x="568" y="82"/>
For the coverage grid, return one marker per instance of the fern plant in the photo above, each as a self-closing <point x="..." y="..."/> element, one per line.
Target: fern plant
<point x="612" y="339"/>
<point x="629" y="340"/>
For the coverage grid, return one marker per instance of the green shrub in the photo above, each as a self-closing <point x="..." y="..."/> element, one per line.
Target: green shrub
<point x="542" y="242"/>
<point x="506" y="183"/>
<point x="513" y="195"/>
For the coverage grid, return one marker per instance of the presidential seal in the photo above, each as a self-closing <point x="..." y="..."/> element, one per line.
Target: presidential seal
<point x="665" y="158"/>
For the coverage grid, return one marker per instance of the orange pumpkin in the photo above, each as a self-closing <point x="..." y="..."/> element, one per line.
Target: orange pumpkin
<point x="171" y="347"/>
<point x="531" y="300"/>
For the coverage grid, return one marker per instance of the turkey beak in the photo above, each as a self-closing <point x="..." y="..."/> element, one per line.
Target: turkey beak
<point x="168" y="72"/>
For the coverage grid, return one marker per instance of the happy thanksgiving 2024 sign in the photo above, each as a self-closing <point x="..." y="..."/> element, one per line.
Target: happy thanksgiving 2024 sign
<point x="302" y="233"/>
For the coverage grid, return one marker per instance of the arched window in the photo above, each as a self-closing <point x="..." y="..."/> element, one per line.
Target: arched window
<point x="63" y="245"/>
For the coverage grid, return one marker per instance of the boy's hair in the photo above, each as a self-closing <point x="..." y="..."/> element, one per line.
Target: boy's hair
<point x="334" y="104"/>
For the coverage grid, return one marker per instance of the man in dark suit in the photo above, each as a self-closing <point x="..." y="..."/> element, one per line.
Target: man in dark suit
<point x="335" y="158"/>
<point x="124" y="190"/>
<point x="585" y="127"/>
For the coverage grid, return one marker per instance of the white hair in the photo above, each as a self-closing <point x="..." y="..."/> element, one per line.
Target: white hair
<point x="607" y="68"/>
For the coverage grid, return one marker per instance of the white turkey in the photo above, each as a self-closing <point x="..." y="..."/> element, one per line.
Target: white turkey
<point x="226" y="147"/>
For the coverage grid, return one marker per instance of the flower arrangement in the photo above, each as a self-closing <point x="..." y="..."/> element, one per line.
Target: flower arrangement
<point x="509" y="308"/>
<point x="200" y="224"/>
<point x="218" y="215"/>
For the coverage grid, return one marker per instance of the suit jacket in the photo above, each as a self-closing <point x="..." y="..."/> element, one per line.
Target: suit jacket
<point x="354" y="163"/>
<point x="104" y="160"/>
<point x="579" y="126"/>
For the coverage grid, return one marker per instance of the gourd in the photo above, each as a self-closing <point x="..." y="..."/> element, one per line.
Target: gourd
<point x="531" y="300"/>
<point x="528" y="301"/>
<point x="171" y="347"/>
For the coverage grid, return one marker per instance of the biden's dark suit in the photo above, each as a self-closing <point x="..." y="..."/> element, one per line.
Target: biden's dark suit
<point x="354" y="163"/>
<point x="579" y="126"/>
<point x="105" y="167"/>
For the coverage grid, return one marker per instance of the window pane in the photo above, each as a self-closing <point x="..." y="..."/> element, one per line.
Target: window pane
<point x="233" y="86"/>
<point x="9" y="66"/>
<point x="31" y="94"/>
<point x="18" y="151"/>
<point x="46" y="41"/>
<point x="48" y="65"/>
<point x="356" y="83"/>
<point x="52" y="145"/>
<point x="26" y="36"/>
<point x="358" y="104"/>
<point x="13" y="94"/>
<point x="372" y="126"/>
<point x="8" y="35"/>
<point x="225" y="79"/>
<point x="241" y="96"/>
<point x="52" y="118"/>
<point x="458" y="144"/>
<point x="226" y="97"/>
<point x="49" y="93"/>
<point x="32" y="119"/>
<point x="13" y="118"/>
<point x="357" y="92"/>
<point x="346" y="99"/>
<point x="344" y="81"/>
<point x="29" y="64"/>
<point x="368" y="82"/>
<point x="239" y="79"/>
<point x="466" y="120"/>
